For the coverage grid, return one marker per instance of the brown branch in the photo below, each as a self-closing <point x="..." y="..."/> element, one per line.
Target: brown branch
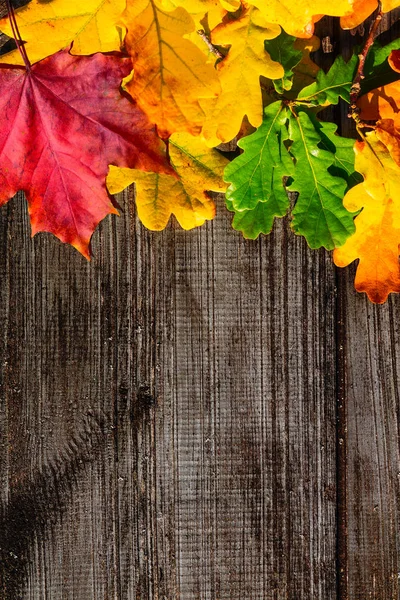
<point x="209" y="44"/>
<point x="356" y="87"/>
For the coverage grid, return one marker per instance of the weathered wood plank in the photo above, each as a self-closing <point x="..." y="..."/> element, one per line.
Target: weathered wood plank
<point x="370" y="337"/>
<point x="372" y="355"/>
<point x="205" y="365"/>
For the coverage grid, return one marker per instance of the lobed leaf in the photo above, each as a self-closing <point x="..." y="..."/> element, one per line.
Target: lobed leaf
<point x="159" y="196"/>
<point x="256" y="192"/>
<point x="239" y="73"/>
<point x="378" y="71"/>
<point x="319" y="213"/>
<point x="47" y="27"/>
<point x="377" y="236"/>
<point x="170" y="73"/>
<point x="61" y="125"/>
<point x="383" y="102"/>
<point x="297" y="17"/>
<point x="282" y="50"/>
<point x="334" y="84"/>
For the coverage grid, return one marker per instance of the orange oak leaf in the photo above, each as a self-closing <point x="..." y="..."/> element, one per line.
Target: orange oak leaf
<point x="170" y="72"/>
<point x="61" y="124"/>
<point x="362" y="9"/>
<point x="383" y="102"/>
<point x="377" y="237"/>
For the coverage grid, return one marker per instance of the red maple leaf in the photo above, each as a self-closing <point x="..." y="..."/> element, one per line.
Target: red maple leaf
<point x="62" y="123"/>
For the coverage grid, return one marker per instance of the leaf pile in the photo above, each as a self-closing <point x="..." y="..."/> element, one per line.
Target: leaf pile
<point x="105" y="93"/>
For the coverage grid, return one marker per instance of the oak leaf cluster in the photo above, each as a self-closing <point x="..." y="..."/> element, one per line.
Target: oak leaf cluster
<point x="100" y="94"/>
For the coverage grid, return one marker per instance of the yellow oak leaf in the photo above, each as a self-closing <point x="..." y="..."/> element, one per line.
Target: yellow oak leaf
<point x="239" y="74"/>
<point x="170" y="73"/>
<point x="297" y="17"/>
<point x="199" y="169"/>
<point x="47" y="27"/>
<point x="377" y="237"/>
<point x="192" y="6"/>
<point x="388" y="5"/>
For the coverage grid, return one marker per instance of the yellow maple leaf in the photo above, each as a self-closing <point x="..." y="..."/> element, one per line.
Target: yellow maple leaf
<point x="171" y="74"/>
<point x="199" y="169"/>
<point x="47" y="27"/>
<point x="297" y="17"/>
<point x="377" y="237"/>
<point x="239" y="74"/>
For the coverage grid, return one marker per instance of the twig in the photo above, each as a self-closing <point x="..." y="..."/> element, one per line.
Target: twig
<point x="17" y="35"/>
<point x="356" y="87"/>
<point x="208" y="43"/>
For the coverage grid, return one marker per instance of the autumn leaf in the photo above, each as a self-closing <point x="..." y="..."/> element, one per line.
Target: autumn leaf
<point x="240" y="71"/>
<point x="61" y="124"/>
<point x="362" y="9"/>
<point x="159" y="196"/>
<point x="294" y="55"/>
<point x="330" y="86"/>
<point x="377" y="237"/>
<point x="378" y="71"/>
<point x="256" y="193"/>
<point x="319" y="213"/>
<point x="297" y="17"/>
<point x="306" y="71"/>
<point x="192" y="6"/>
<point x="199" y="8"/>
<point x="320" y="165"/>
<point x="171" y="74"/>
<point x="47" y="27"/>
<point x="282" y="50"/>
<point x="383" y="102"/>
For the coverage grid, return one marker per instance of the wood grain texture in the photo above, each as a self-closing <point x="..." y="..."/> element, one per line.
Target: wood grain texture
<point x="168" y="417"/>
<point x="372" y="355"/>
<point x="371" y="346"/>
<point x="169" y="412"/>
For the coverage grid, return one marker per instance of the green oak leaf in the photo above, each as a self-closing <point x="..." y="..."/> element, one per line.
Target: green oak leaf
<point x="377" y="71"/>
<point x="281" y="49"/>
<point x="331" y="86"/>
<point x="319" y="214"/>
<point x="342" y="150"/>
<point x="254" y="221"/>
<point x="256" y="192"/>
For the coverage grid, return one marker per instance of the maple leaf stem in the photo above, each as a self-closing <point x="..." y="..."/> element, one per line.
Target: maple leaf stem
<point x="356" y="87"/>
<point x="17" y="35"/>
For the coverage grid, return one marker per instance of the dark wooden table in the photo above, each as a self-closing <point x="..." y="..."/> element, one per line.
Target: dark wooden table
<point x="194" y="416"/>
